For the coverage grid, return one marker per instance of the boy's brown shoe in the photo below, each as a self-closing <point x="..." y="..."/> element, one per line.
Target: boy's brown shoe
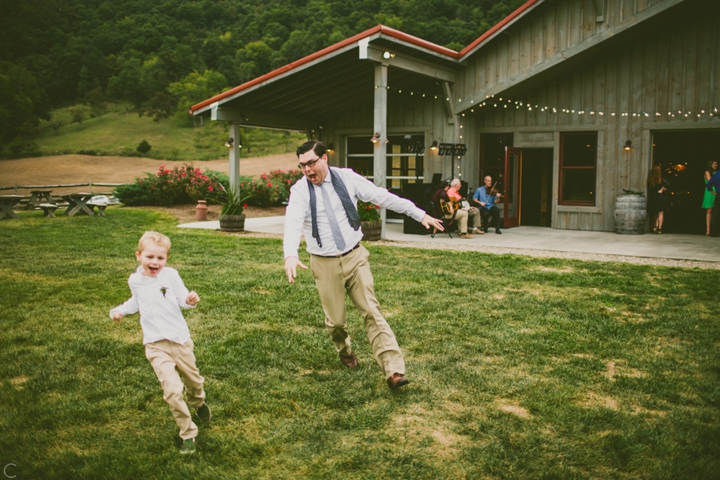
<point x="203" y="413"/>
<point x="187" y="447"/>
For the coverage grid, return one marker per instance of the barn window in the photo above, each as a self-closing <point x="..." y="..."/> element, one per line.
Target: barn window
<point x="404" y="162"/>
<point x="578" y="168"/>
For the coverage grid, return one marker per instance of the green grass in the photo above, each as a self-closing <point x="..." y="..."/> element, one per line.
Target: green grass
<point x="117" y="133"/>
<point x="519" y="367"/>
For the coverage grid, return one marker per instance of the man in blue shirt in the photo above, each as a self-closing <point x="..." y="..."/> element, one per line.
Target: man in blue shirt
<point x="715" y="220"/>
<point x="486" y="203"/>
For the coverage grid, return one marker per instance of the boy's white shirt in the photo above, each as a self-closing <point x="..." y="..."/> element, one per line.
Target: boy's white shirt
<point x="160" y="315"/>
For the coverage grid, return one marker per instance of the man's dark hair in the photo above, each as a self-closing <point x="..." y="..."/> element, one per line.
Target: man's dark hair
<point x="443" y="184"/>
<point x="314" y="145"/>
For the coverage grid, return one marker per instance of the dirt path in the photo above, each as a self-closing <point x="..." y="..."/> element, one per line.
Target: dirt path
<point x="66" y="169"/>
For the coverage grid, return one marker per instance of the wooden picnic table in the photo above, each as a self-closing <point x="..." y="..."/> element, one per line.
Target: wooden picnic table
<point x="37" y="197"/>
<point x="7" y="202"/>
<point x="78" y="202"/>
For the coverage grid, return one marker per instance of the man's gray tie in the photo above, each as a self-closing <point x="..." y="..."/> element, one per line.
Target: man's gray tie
<point x="334" y="226"/>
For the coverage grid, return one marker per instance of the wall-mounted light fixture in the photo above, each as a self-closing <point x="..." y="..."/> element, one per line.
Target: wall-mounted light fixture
<point x="331" y="147"/>
<point x="628" y="145"/>
<point x="229" y="142"/>
<point x="434" y="146"/>
<point x="387" y="55"/>
<point x="375" y="138"/>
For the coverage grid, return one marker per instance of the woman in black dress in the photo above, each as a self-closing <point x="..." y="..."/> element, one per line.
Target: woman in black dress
<point x="658" y="197"/>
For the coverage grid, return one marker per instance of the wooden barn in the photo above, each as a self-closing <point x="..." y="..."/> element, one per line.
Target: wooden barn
<point x="565" y="102"/>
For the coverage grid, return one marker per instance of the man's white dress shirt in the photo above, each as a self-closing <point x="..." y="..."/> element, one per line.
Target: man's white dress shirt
<point x="298" y="219"/>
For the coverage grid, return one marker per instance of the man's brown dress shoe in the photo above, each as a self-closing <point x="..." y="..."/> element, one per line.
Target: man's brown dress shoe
<point x="397" y="380"/>
<point x="350" y="361"/>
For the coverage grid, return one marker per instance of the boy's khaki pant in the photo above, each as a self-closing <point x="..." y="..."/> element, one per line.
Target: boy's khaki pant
<point x="174" y="365"/>
<point x="351" y="274"/>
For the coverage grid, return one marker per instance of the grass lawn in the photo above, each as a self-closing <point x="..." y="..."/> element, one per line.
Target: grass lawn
<point x="519" y="367"/>
<point x="117" y="133"/>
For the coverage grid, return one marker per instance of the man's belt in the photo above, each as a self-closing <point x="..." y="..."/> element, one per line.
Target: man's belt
<point x="340" y="254"/>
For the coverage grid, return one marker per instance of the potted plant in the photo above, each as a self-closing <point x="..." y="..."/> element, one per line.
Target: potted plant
<point x="370" y="220"/>
<point x="232" y="218"/>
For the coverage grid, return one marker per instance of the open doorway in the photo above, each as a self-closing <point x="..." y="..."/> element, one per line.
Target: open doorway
<point x="683" y="156"/>
<point x="536" y="189"/>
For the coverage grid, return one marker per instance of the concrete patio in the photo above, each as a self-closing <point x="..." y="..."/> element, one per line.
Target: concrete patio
<point x="535" y="240"/>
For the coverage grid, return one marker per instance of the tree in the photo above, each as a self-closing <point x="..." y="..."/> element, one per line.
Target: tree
<point x="22" y="101"/>
<point x="161" y="107"/>
<point x="195" y="88"/>
<point x="77" y="114"/>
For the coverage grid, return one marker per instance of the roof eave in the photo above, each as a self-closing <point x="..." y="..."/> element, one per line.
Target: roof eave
<point x="349" y="43"/>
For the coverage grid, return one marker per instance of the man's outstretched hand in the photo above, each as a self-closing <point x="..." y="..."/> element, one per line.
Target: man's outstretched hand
<point x="427" y="222"/>
<point x="291" y="264"/>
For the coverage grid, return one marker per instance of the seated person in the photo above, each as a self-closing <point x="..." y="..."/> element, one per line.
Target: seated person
<point x="485" y="198"/>
<point x="473" y="213"/>
<point x="444" y="208"/>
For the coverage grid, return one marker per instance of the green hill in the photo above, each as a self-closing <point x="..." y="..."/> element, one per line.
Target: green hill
<point x="118" y="132"/>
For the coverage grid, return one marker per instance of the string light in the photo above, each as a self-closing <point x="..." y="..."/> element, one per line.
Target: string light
<point x="549" y="109"/>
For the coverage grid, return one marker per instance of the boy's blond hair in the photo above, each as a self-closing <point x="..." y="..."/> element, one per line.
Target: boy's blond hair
<point x="156" y="237"/>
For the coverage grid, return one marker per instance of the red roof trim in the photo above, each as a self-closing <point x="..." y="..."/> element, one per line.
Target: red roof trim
<point x="485" y="36"/>
<point x="379" y="29"/>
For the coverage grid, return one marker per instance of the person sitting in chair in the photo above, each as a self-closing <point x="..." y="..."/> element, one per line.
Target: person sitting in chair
<point x="473" y="213"/>
<point x="449" y="210"/>
<point x="486" y="196"/>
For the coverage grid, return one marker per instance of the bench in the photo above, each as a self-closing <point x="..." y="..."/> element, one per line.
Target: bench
<point x="100" y="206"/>
<point x="49" y="209"/>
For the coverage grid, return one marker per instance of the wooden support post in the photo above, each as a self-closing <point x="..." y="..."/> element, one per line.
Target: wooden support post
<point x="380" y="125"/>
<point x="234" y="157"/>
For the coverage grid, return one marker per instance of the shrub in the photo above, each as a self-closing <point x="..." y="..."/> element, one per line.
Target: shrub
<point x="144" y="147"/>
<point x="134" y="194"/>
<point x="167" y="187"/>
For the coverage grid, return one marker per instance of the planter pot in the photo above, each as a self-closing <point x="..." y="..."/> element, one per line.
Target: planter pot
<point x="630" y="214"/>
<point x="232" y="223"/>
<point x="371" y="230"/>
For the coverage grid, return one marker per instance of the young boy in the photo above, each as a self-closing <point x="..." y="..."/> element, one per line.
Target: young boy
<point x="158" y="292"/>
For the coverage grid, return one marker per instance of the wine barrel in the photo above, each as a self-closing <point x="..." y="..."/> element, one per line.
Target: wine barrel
<point x="630" y="214"/>
<point x="372" y="230"/>
<point x="232" y="223"/>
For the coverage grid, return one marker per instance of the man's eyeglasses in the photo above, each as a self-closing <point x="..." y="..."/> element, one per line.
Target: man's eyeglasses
<point x="309" y="163"/>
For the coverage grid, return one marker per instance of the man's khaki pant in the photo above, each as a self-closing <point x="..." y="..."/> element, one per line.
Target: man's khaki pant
<point x="174" y="365"/>
<point x="351" y="274"/>
<point x="461" y="217"/>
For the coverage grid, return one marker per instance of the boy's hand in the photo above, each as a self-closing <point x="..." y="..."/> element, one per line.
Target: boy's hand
<point x="192" y="299"/>
<point x="117" y="316"/>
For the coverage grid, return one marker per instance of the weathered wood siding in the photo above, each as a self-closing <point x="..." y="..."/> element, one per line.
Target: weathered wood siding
<point x="635" y="84"/>
<point x="406" y="114"/>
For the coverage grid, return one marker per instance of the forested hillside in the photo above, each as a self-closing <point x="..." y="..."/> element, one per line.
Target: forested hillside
<point x="161" y="56"/>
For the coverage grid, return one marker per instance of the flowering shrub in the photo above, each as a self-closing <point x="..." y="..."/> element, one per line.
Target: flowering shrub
<point x="368" y="211"/>
<point x="170" y="187"/>
<point x="273" y="188"/>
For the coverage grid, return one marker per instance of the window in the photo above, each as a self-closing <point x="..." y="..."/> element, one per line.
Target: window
<point x="578" y="160"/>
<point x="404" y="164"/>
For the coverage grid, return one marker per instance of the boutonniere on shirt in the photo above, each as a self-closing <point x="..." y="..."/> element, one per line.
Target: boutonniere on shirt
<point x="164" y="290"/>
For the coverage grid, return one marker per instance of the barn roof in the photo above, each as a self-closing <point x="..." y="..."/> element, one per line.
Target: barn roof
<point x="300" y="88"/>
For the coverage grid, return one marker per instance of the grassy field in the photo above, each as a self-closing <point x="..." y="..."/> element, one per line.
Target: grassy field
<point x="118" y="133"/>
<point x="519" y="367"/>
